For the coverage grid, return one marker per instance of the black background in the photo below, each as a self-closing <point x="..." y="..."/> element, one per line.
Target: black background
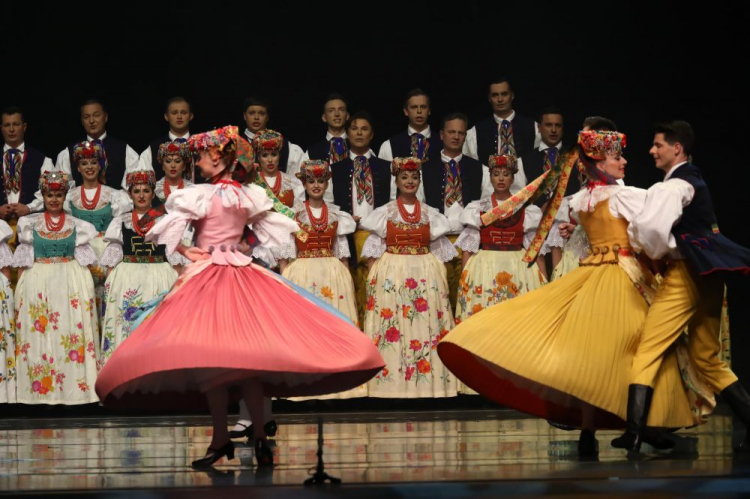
<point x="633" y="62"/>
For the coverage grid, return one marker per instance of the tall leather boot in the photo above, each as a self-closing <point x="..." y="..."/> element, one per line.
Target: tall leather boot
<point x="639" y="403"/>
<point x="739" y="400"/>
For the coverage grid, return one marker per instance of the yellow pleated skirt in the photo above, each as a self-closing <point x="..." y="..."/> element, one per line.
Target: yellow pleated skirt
<point x="564" y="352"/>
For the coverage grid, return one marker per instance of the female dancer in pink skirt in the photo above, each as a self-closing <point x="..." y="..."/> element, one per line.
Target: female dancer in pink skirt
<point x="228" y="322"/>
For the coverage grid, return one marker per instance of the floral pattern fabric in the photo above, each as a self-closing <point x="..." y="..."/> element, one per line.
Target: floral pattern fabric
<point x="8" y="344"/>
<point x="407" y="313"/>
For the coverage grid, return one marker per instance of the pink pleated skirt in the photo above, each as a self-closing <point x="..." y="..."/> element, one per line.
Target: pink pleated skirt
<point x="228" y="324"/>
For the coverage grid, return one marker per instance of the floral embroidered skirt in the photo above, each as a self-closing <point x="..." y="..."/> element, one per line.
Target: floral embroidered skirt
<point x="8" y="368"/>
<point x="331" y="281"/>
<point x="57" y="335"/>
<point x="564" y="352"/>
<point x="99" y="274"/>
<point x="129" y="286"/>
<point x="407" y="313"/>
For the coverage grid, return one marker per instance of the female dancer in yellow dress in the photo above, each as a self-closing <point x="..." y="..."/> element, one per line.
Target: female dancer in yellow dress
<point x="564" y="351"/>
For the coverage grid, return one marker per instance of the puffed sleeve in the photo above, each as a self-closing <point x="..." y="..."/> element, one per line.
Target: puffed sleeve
<point x="24" y="255"/>
<point x="443" y="250"/>
<point x="651" y="230"/>
<point x="374" y="246"/>
<point x="453" y="214"/>
<point x="376" y="222"/>
<point x="113" y="253"/>
<point x="531" y="221"/>
<point x="177" y="259"/>
<point x="273" y="229"/>
<point x="183" y="206"/>
<point x="84" y="253"/>
<point x="469" y="240"/>
<point x="6" y="255"/>
<point x="628" y="203"/>
<point x="439" y="224"/>
<point x="121" y="203"/>
<point x="346" y="226"/>
<point x="470" y="216"/>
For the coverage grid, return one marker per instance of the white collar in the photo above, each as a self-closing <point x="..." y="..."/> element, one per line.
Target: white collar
<point x="173" y="137"/>
<point x="544" y="147"/>
<point x="250" y="135"/>
<point x="426" y="132"/>
<point x="21" y="147"/>
<point x="91" y="139"/>
<point x="446" y="159"/>
<point x="671" y="170"/>
<point x="330" y="136"/>
<point x="499" y="120"/>
<point x="353" y="156"/>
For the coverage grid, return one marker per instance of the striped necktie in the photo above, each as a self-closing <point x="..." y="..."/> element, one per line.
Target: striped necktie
<point x="453" y="186"/>
<point x="506" y="145"/>
<point x="363" y="179"/>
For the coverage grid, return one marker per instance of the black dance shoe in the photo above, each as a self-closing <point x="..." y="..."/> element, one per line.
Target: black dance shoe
<point x="263" y="453"/>
<point x="213" y="455"/>
<point x="657" y="439"/>
<point x="270" y="427"/>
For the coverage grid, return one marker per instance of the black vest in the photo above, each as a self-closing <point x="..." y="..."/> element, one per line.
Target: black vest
<point x="116" y="158"/>
<point x="401" y="145"/>
<point x="433" y="178"/>
<point x="30" y="173"/>
<point x="697" y="234"/>
<point x="342" y="182"/>
<point x="533" y="168"/>
<point x="134" y="245"/>
<point x="524" y="134"/>
<point x="321" y="150"/>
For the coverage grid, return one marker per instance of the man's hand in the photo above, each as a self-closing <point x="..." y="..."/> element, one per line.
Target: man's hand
<point x="20" y="210"/>
<point x="6" y="211"/>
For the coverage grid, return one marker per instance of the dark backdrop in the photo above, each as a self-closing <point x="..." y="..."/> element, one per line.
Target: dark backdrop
<point x="633" y="62"/>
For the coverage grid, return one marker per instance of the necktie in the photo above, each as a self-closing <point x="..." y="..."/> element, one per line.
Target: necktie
<point x="337" y="149"/>
<point x="13" y="162"/>
<point x="363" y="179"/>
<point x="180" y="140"/>
<point x="103" y="163"/>
<point x="505" y="144"/>
<point x="550" y="158"/>
<point x="453" y="186"/>
<point x="419" y="146"/>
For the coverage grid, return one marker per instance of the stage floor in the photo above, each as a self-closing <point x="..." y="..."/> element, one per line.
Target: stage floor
<point x="466" y="453"/>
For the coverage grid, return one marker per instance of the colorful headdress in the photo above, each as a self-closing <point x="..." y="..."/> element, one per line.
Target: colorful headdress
<point x="222" y="141"/>
<point x="596" y="144"/>
<point x="53" y="181"/>
<point x="405" y="164"/>
<point x="140" y="177"/>
<point x="503" y="161"/>
<point x="268" y="141"/>
<point x="314" y="169"/>
<point x="181" y="149"/>
<point x="87" y="149"/>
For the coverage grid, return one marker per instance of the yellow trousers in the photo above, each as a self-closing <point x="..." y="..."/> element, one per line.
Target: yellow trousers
<point x="359" y="271"/>
<point x="13" y="243"/>
<point x="453" y="273"/>
<point x="684" y="299"/>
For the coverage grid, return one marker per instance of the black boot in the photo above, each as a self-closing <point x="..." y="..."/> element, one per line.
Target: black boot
<point x="739" y="400"/>
<point x="588" y="447"/>
<point x="639" y="403"/>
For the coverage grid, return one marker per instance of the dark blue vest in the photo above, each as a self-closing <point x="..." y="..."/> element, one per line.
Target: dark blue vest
<point x="433" y="178"/>
<point x="322" y="149"/>
<point x="697" y="234"/>
<point x="116" y="154"/>
<point x="30" y="173"/>
<point x="524" y="134"/>
<point x="342" y="182"/>
<point x="533" y="168"/>
<point x="401" y="145"/>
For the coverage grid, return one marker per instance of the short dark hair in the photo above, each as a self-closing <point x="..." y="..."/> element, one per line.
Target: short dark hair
<point x="256" y="101"/>
<point x="177" y="98"/>
<point x="11" y="110"/>
<point x="359" y="115"/>
<point x="677" y="131"/>
<point x="501" y="79"/>
<point x="549" y="110"/>
<point x="91" y="101"/>
<point x="600" y="123"/>
<point x="415" y="92"/>
<point x="333" y="96"/>
<point x="455" y="116"/>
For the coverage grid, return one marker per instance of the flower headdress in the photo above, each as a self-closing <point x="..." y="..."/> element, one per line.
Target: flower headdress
<point x="87" y="149"/>
<point x="140" y="177"/>
<point x="503" y="161"/>
<point x="221" y="142"/>
<point x="268" y="141"/>
<point x="597" y="143"/>
<point x="410" y="164"/>
<point x="314" y="169"/>
<point x="53" y="181"/>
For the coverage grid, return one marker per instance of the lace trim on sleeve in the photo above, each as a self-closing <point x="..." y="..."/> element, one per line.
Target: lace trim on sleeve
<point x="85" y="255"/>
<point x="469" y="240"/>
<point x="111" y="256"/>
<point x="374" y="247"/>
<point x="443" y="249"/>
